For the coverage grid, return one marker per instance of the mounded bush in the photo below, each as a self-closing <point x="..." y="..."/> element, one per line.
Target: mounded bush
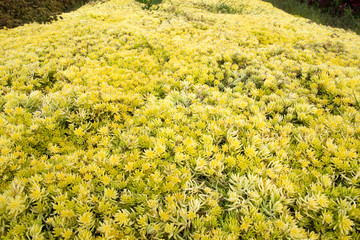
<point x="181" y="123"/>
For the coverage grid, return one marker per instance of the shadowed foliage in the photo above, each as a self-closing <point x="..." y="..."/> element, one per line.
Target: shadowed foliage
<point x="337" y="6"/>
<point x="149" y="3"/>
<point x="346" y="18"/>
<point x="14" y="13"/>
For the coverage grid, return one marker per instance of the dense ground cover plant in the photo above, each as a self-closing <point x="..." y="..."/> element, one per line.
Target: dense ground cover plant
<point x="223" y="6"/>
<point x="180" y="123"/>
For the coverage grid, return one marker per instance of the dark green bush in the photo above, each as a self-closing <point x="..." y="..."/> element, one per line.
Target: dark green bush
<point x="149" y="3"/>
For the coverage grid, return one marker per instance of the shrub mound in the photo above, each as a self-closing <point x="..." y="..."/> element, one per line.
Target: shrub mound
<point x="17" y="12"/>
<point x="179" y="123"/>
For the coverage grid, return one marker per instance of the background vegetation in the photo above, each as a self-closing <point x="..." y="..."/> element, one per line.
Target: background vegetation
<point x="149" y="3"/>
<point x="337" y="6"/>
<point x="18" y="12"/>
<point x="334" y="13"/>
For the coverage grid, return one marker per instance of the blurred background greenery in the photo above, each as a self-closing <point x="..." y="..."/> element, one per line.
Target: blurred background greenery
<point x="332" y="13"/>
<point x="14" y="13"/>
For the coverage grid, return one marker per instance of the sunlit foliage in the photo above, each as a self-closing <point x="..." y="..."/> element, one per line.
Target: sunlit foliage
<point x="179" y="123"/>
